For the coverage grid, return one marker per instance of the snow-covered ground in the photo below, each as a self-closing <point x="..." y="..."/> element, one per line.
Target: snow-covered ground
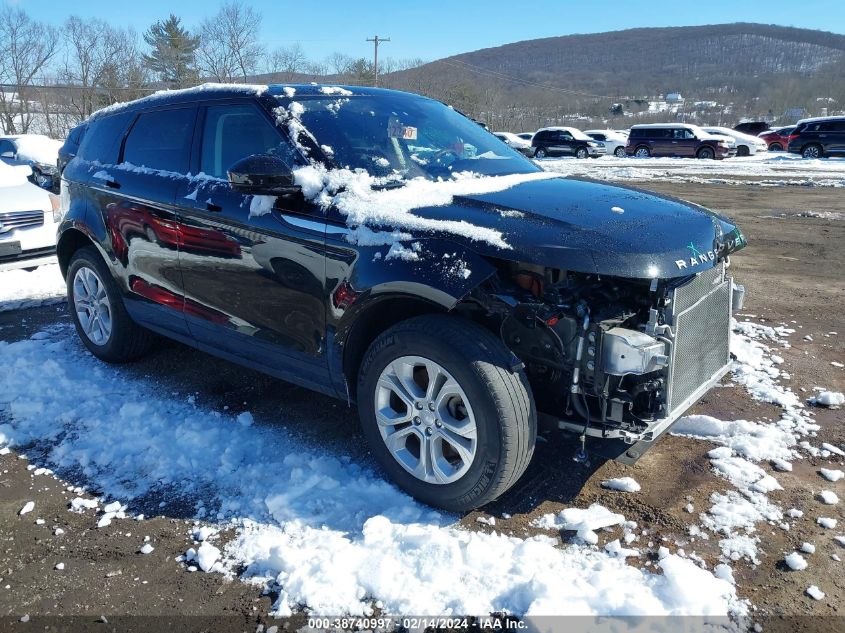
<point x="324" y="532"/>
<point x="765" y="169"/>
<point x="22" y="289"/>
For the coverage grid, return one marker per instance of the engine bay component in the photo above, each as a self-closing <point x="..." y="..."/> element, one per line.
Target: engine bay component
<point x="627" y="351"/>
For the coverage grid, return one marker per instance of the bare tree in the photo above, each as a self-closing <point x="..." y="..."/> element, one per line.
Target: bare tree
<point x="102" y="65"/>
<point x="26" y="48"/>
<point x="339" y="64"/>
<point x="229" y="48"/>
<point x="289" y="60"/>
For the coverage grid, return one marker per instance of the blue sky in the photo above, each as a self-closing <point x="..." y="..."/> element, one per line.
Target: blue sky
<point x="437" y="28"/>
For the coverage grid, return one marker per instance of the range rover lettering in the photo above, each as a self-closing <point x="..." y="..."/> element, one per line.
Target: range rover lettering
<point x="603" y="309"/>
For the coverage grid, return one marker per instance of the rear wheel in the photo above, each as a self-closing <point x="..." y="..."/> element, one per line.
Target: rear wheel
<point x="581" y="152"/>
<point x="540" y="153"/>
<point x="445" y="415"/>
<point x="743" y="150"/>
<point x="775" y="147"/>
<point x="706" y="153"/>
<point x="98" y="312"/>
<point x="642" y="152"/>
<point x="812" y="151"/>
<point x="619" y="152"/>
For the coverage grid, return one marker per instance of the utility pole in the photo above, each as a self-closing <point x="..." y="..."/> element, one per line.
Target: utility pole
<point x="376" y="40"/>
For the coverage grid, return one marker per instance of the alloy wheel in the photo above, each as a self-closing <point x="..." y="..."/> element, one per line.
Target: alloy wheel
<point x="425" y="420"/>
<point x="92" y="306"/>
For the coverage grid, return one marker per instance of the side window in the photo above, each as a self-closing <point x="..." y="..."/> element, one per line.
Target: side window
<point x="565" y="136"/>
<point x="7" y="149"/>
<point x="102" y="140"/>
<point x="541" y="136"/>
<point x="599" y="137"/>
<point x="233" y="132"/>
<point x="837" y="126"/>
<point x="161" y="140"/>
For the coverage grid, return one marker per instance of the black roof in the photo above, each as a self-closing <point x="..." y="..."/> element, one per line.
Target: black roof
<point x="208" y="91"/>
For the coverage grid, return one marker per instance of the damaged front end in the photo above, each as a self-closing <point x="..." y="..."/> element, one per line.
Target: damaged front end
<point x="612" y="358"/>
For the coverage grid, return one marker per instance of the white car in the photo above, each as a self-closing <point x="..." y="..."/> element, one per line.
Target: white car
<point x="37" y="151"/>
<point x="614" y="142"/>
<point x="745" y="143"/>
<point x="514" y="141"/>
<point x="526" y="136"/>
<point x="29" y="217"/>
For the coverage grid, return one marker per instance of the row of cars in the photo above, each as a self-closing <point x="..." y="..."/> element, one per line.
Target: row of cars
<point x="812" y="138"/>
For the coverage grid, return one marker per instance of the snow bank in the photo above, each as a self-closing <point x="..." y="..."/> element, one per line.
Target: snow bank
<point x="829" y="399"/>
<point x="321" y="531"/>
<point x="22" y="289"/>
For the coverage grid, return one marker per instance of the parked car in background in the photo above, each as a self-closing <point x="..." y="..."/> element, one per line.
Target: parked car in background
<point x="746" y="144"/>
<point x="752" y="127"/>
<point x="526" y="136"/>
<point x="678" y="140"/>
<point x="519" y="144"/>
<point x="614" y="143"/>
<point x="71" y="146"/>
<point x="565" y="141"/>
<point x="38" y="152"/>
<point x="778" y="139"/>
<point x="28" y="220"/>
<point x="448" y="366"/>
<point x="818" y="137"/>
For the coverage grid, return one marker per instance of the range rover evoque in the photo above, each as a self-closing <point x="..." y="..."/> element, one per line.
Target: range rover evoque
<point x="604" y="309"/>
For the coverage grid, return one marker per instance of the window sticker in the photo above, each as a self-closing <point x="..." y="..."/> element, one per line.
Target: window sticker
<point x="395" y="129"/>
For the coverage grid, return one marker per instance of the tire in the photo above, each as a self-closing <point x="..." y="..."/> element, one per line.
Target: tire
<point x="775" y="147"/>
<point x="581" y="152"/>
<point x="619" y="152"/>
<point x="540" y="153"/>
<point x="125" y="340"/>
<point x="706" y="153"/>
<point x="498" y="402"/>
<point x="642" y="152"/>
<point x="743" y="150"/>
<point x="812" y="151"/>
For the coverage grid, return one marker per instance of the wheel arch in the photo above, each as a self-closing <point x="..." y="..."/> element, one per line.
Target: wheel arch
<point x="70" y="241"/>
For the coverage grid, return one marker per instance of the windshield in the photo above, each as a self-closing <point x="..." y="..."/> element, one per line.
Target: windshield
<point x="405" y="135"/>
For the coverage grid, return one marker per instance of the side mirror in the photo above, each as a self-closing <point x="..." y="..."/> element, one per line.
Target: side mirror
<point x="262" y="174"/>
<point x="7" y="155"/>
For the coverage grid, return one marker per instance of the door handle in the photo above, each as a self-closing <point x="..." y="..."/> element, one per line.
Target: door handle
<point x="674" y="142"/>
<point x="112" y="184"/>
<point x="215" y="208"/>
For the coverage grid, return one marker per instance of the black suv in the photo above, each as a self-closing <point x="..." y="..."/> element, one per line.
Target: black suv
<point x="381" y="248"/>
<point x="814" y="138"/>
<point x="565" y="141"/>
<point x="679" y="140"/>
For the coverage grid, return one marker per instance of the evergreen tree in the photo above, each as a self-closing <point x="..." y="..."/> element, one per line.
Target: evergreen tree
<point x="173" y="52"/>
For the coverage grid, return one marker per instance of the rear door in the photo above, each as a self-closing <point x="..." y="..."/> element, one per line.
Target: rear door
<point x="836" y="137"/>
<point x="253" y="266"/>
<point x="565" y="143"/>
<point x="135" y="200"/>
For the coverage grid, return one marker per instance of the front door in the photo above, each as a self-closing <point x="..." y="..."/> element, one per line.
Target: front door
<point x="253" y="266"/>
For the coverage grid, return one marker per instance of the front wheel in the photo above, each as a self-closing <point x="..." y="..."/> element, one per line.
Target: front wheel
<point x="775" y="147"/>
<point x="812" y="151"/>
<point x="540" y="153"/>
<point x="743" y="150"/>
<point x="445" y="414"/>
<point x="642" y="152"/>
<point x="581" y="152"/>
<point x="706" y="153"/>
<point x="619" y="152"/>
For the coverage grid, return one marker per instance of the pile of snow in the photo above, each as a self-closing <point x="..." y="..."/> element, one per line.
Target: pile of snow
<point x="582" y="522"/>
<point x="828" y="497"/>
<point x="39" y="148"/>
<point x="624" y="484"/>
<point x="323" y="532"/>
<point x="831" y="474"/>
<point x="815" y="593"/>
<point x="831" y="399"/>
<point x="827" y="522"/>
<point x="22" y="289"/>
<point x="795" y="561"/>
<point x="756" y="441"/>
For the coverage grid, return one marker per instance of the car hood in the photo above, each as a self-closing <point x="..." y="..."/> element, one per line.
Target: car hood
<point x="591" y="227"/>
<point x="23" y="197"/>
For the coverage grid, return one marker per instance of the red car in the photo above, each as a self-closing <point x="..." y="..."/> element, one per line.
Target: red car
<point x="777" y="139"/>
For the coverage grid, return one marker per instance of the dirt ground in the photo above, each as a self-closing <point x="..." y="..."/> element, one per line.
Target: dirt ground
<point x="794" y="272"/>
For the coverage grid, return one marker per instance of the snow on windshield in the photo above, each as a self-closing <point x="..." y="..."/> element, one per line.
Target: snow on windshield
<point x="391" y="155"/>
<point x="38" y="148"/>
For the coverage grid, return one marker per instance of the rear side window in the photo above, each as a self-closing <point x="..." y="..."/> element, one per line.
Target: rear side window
<point x="542" y="136"/>
<point x="7" y="148"/>
<point x="837" y="126"/>
<point x="637" y="132"/>
<point x="233" y="132"/>
<point x="101" y="142"/>
<point x="161" y="140"/>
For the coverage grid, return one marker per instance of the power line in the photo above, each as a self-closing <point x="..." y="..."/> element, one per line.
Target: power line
<point x="376" y="40"/>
